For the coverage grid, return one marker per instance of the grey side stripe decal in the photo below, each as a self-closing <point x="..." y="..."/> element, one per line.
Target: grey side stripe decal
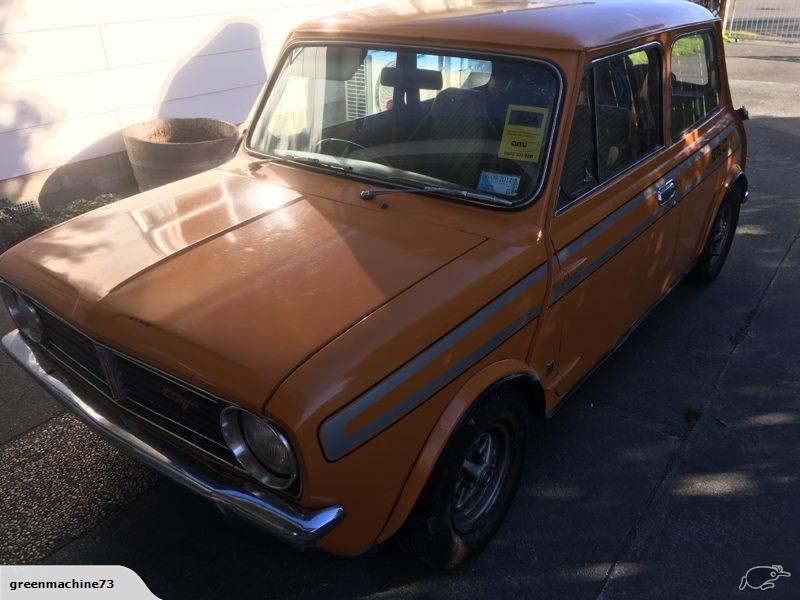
<point x="601" y="227"/>
<point x="576" y="245"/>
<point x="336" y="442"/>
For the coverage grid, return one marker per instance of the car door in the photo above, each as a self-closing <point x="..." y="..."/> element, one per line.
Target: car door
<point x="613" y="231"/>
<point x="703" y="137"/>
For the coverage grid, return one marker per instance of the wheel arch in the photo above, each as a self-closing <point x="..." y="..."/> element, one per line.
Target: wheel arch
<point x="504" y="374"/>
<point x="735" y="183"/>
<point x="739" y="186"/>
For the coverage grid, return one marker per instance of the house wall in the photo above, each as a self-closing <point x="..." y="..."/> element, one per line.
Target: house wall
<point x="74" y="73"/>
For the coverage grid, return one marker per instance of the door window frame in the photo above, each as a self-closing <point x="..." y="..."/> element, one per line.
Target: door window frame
<point x="602" y="183"/>
<point x="677" y="138"/>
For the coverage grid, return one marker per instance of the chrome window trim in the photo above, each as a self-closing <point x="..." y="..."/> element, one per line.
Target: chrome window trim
<point x="630" y="50"/>
<point x="603" y="183"/>
<point x="674" y="139"/>
<point x="315" y="41"/>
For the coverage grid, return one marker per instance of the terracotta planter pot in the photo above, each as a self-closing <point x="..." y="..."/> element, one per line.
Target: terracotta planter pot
<point x="165" y="150"/>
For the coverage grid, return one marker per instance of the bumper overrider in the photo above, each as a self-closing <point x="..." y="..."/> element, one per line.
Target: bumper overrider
<point x="297" y="526"/>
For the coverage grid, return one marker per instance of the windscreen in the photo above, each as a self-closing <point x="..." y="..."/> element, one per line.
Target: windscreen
<point x="413" y="118"/>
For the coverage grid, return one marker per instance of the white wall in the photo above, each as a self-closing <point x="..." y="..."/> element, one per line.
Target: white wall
<point x="73" y="73"/>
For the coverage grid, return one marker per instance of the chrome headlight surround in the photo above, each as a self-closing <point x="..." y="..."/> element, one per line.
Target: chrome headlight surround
<point x="22" y="313"/>
<point x="239" y="428"/>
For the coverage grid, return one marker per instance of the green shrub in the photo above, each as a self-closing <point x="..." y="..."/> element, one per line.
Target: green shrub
<point x="78" y="207"/>
<point x="16" y="225"/>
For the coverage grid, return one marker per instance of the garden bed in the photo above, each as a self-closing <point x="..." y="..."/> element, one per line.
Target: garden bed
<point x="17" y="224"/>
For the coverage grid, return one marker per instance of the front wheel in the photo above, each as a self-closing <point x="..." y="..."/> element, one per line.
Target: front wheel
<point x="472" y="486"/>
<point x="718" y="245"/>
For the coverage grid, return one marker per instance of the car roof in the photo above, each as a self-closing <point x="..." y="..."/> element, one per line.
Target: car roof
<point x="550" y="24"/>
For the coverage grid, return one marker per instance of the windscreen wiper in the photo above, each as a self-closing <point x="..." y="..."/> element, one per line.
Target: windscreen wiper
<point x="468" y="194"/>
<point x="316" y="162"/>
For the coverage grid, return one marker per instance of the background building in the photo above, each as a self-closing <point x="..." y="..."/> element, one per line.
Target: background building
<point x="74" y="73"/>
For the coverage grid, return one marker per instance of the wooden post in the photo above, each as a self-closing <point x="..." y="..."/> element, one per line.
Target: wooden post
<point x="726" y="14"/>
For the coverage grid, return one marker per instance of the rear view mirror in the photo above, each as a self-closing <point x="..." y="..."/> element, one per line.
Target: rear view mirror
<point x="420" y="79"/>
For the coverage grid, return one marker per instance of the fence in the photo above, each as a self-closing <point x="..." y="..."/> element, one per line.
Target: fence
<point x="777" y="20"/>
<point x="764" y="19"/>
<point x="715" y="6"/>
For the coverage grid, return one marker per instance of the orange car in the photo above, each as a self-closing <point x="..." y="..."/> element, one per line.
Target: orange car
<point x="437" y="225"/>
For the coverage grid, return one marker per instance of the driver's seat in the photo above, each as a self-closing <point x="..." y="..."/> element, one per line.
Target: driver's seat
<point x="450" y="141"/>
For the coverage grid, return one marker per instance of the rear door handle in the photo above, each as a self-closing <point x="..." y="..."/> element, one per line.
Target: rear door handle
<point x="667" y="193"/>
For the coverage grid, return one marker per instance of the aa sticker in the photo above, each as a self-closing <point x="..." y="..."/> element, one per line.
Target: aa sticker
<point x="523" y="133"/>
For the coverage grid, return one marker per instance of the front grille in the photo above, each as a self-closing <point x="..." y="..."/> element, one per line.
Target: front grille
<point x="181" y="410"/>
<point x="73" y="350"/>
<point x="184" y="412"/>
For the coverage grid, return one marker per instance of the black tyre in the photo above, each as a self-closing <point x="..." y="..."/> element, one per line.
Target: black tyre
<point x="718" y="244"/>
<point x="472" y="486"/>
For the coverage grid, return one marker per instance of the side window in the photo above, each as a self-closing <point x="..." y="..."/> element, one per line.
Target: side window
<point x="617" y="120"/>
<point x="694" y="81"/>
<point x="628" y="108"/>
<point x="580" y="169"/>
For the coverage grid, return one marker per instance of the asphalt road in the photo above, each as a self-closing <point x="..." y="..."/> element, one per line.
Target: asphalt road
<point x="671" y="472"/>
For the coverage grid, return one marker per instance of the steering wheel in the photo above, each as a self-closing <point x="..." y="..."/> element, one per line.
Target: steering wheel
<point x="370" y="151"/>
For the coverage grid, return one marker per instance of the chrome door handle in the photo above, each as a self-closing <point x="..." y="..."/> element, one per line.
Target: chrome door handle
<point x="667" y="193"/>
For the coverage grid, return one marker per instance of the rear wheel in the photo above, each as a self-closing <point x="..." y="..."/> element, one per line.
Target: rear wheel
<point x="472" y="486"/>
<point x="718" y="244"/>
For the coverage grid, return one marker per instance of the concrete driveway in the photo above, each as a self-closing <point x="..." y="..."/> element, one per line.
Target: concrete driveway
<point x="671" y="473"/>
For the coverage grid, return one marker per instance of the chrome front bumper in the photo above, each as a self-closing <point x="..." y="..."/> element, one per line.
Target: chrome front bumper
<point x="297" y="526"/>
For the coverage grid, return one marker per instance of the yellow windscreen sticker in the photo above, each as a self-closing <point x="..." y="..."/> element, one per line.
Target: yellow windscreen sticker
<point x="523" y="133"/>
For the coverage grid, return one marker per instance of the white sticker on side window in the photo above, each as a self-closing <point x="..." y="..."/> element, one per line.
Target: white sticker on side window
<point x="497" y="183"/>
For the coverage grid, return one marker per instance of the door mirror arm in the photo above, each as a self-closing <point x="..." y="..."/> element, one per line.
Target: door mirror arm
<point x="743" y="113"/>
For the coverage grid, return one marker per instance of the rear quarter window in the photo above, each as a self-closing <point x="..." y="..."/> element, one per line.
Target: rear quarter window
<point x="694" y="81"/>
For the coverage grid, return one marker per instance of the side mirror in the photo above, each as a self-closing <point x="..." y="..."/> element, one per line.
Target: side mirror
<point x="743" y="113"/>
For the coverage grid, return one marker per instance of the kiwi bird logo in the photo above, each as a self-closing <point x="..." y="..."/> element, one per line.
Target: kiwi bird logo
<point x="763" y="577"/>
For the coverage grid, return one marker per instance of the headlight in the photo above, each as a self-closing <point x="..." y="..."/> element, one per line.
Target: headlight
<point x="22" y="313"/>
<point x="259" y="447"/>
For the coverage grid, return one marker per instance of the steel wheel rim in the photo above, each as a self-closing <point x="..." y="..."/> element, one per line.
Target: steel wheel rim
<point x="719" y="237"/>
<point x="481" y="478"/>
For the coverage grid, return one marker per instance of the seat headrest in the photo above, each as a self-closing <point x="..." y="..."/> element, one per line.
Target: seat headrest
<point x="459" y="102"/>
